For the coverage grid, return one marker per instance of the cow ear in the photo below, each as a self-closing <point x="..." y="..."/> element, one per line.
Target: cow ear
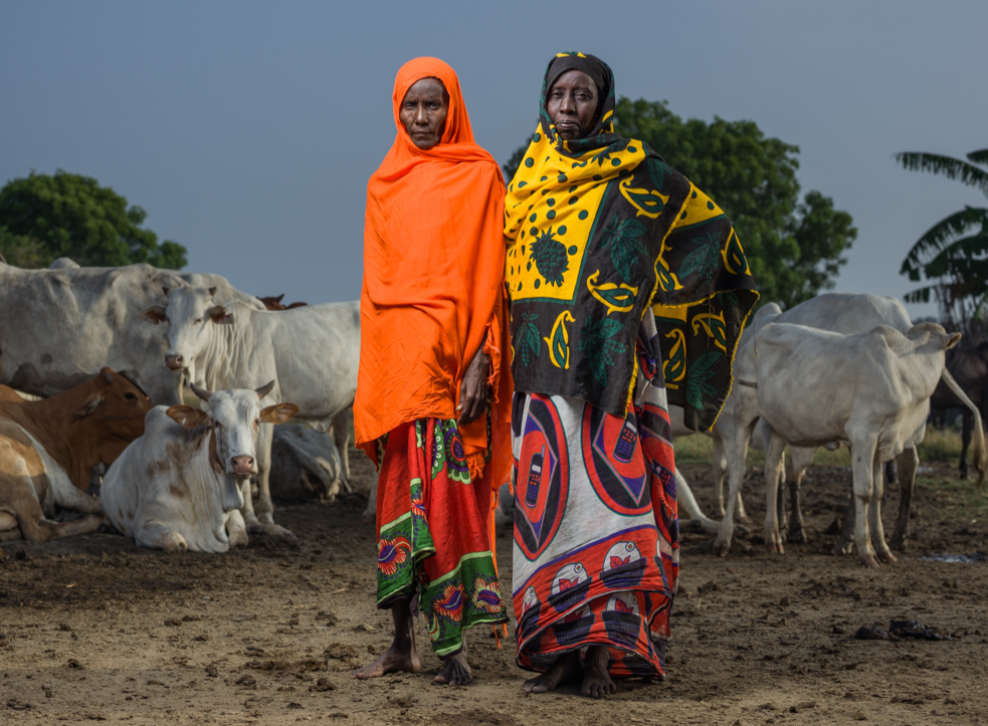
<point x="212" y="291"/>
<point x="952" y="341"/>
<point x="165" y="289"/>
<point x="219" y="315"/>
<point x="187" y="416"/>
<point x="278" y="413"/>
<point x="89" y="407"/>
<point x="154" y="314"/>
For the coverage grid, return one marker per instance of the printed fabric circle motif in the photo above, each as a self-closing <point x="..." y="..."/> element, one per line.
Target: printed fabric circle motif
<point x="542" y="484"/>
<point x="614" y="462"/>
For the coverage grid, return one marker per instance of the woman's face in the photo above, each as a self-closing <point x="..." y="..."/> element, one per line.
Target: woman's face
<point x="572" y="104"/>
<point x="423" y="112"/>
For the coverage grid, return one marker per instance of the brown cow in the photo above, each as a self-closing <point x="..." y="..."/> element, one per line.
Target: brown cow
<point x="273" y="302"/>
<point x="48" y="449"/>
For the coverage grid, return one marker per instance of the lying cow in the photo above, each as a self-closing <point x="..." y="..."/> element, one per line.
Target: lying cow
<point x="49" y="447"/>
<point x="310" y="352"/>
<point x="871" y="390"/>
<point x="182" y="484"/>
<point x="305" y="465"/>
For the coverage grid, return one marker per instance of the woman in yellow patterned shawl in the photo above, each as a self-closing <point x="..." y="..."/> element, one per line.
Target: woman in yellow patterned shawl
<point x="602" y="233"/>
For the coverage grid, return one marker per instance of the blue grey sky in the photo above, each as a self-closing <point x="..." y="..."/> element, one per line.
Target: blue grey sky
<point x="247" y="130"/>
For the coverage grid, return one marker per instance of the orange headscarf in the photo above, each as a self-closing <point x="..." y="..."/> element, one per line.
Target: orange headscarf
<point x="433" y="290"/>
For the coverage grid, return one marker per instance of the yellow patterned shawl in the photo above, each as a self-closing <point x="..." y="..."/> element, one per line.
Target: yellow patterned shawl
<point x="600" y="230"/>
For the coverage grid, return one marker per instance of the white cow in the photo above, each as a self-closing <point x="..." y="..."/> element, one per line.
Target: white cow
<point x="60" y="327"/>
<point x="310" y="352"/>
<point x="182" y="484"/>
<point x="871" y="390"/>
<point x="835" y="312"/>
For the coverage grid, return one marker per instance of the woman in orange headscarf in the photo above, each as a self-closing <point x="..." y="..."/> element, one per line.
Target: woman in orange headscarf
<point x="434" y="386"/>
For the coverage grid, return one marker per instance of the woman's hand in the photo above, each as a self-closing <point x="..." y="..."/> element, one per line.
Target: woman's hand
<point x="473" y="390"/>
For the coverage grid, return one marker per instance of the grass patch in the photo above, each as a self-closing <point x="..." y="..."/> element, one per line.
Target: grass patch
<point x="955" y="498"/>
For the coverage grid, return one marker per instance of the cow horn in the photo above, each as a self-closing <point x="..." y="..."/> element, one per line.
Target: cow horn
<point x="200" y="392"/>
<point x="265" y="390"/>
<point x="108" y="375"/>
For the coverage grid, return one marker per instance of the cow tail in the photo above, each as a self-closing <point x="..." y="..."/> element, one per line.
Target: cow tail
<point x="979" y="458"/>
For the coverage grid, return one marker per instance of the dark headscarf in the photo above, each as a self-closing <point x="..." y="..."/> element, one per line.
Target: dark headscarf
<point x="602" y="132"/>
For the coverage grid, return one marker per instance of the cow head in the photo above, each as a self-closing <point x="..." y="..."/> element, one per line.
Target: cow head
<point x="188" y="318"/>
<point x="234" y="416"/>
<point x="115" y="408"/>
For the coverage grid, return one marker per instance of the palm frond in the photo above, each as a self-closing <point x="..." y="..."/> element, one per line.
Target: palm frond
<point x="957" y="257"/>
<point x="978" y="157"/>
<point x="937" y="237"/>
<point x="946" y="166"/>
<point x="920" y="295"/>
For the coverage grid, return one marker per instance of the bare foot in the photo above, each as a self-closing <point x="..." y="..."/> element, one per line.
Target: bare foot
<point x="596" y="680"/>
<point x="456" y="669"/>
<point x="391" y="661"/>
<point x="401" y="656"/>
<point x="566" y="668"/>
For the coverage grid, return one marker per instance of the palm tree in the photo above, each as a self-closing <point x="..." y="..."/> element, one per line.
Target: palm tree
<point x="954" y="252"/>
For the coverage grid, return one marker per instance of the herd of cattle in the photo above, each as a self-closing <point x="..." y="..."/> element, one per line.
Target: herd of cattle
<point x="93" y="362"/>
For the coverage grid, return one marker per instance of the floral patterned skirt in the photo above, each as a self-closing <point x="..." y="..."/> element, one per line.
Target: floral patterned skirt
<point x="433" y="524"/>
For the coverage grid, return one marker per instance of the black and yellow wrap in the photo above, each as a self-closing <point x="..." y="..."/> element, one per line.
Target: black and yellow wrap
<point x="601" y="230"/>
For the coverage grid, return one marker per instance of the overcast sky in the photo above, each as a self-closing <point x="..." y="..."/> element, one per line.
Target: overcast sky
<point x="247" y="130"/>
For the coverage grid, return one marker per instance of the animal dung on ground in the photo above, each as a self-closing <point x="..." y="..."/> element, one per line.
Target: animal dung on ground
<point x="899" y="629"/>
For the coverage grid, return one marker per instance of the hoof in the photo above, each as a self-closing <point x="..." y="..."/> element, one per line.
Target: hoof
<point x="869" y="561"/>
<point x="774" y="549"/>
<point x="721" y="549"/>
<point x="886" y="557"/>
<point x="174" y="542"/>
<point x="842" y="549"/>
<point x="797" y="536"/>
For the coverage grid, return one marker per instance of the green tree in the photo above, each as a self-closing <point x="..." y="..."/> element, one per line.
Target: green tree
<point x="43" y="217"/>
<point x="953" y="254"/>
<point x="795" y="247"/>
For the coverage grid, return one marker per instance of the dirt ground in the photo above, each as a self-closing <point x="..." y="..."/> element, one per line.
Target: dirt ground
<point x="93" y="628"/>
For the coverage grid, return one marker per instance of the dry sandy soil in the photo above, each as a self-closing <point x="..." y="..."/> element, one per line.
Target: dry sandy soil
<point x="92" y="628"/>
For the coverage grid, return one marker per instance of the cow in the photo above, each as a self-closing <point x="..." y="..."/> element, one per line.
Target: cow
<point x="273" y="302"/>
<point x="49" y="447"/>
<point x="310" y="352"/>
<point x="305" y="464"/>
<point x="836" y="312"/>
<point x="871" y="390"/>
<point x="59" y="327"/>
<point x="969" y="367"/>
<point x="182" y="484"/>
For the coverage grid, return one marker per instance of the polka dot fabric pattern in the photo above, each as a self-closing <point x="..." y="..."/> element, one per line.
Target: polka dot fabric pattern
<point x="600" y="230"/>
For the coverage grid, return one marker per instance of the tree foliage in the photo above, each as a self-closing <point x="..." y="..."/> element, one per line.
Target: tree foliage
<point x="795" y="246"/>
<point x="953" y="254"/>
<point x="44" y="217"/>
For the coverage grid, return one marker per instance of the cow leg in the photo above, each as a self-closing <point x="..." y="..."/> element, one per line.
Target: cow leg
<point x="341" y="437"/>
<point x="160" y="537"/>
<point x="71" y="498"/>
<point x="875" y="512"/>
<point x="21" y="501"/>
<point x="774" y="453"/>
<point x="719" y="471"/>
<point x="800" y="458"/>
<point x="236" y="529"/>
<point x="967" y="423"/>
<point x="371" y="511"/>
<point x="863" y="470"/>
<point x="737" y="450"/>
<point x="906" y="465"/>
<point x="687" y="503"/>
<point x="265" y="509"/>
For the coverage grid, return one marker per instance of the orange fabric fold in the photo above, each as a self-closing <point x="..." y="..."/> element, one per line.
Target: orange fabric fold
<point x="433" y="290"/>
